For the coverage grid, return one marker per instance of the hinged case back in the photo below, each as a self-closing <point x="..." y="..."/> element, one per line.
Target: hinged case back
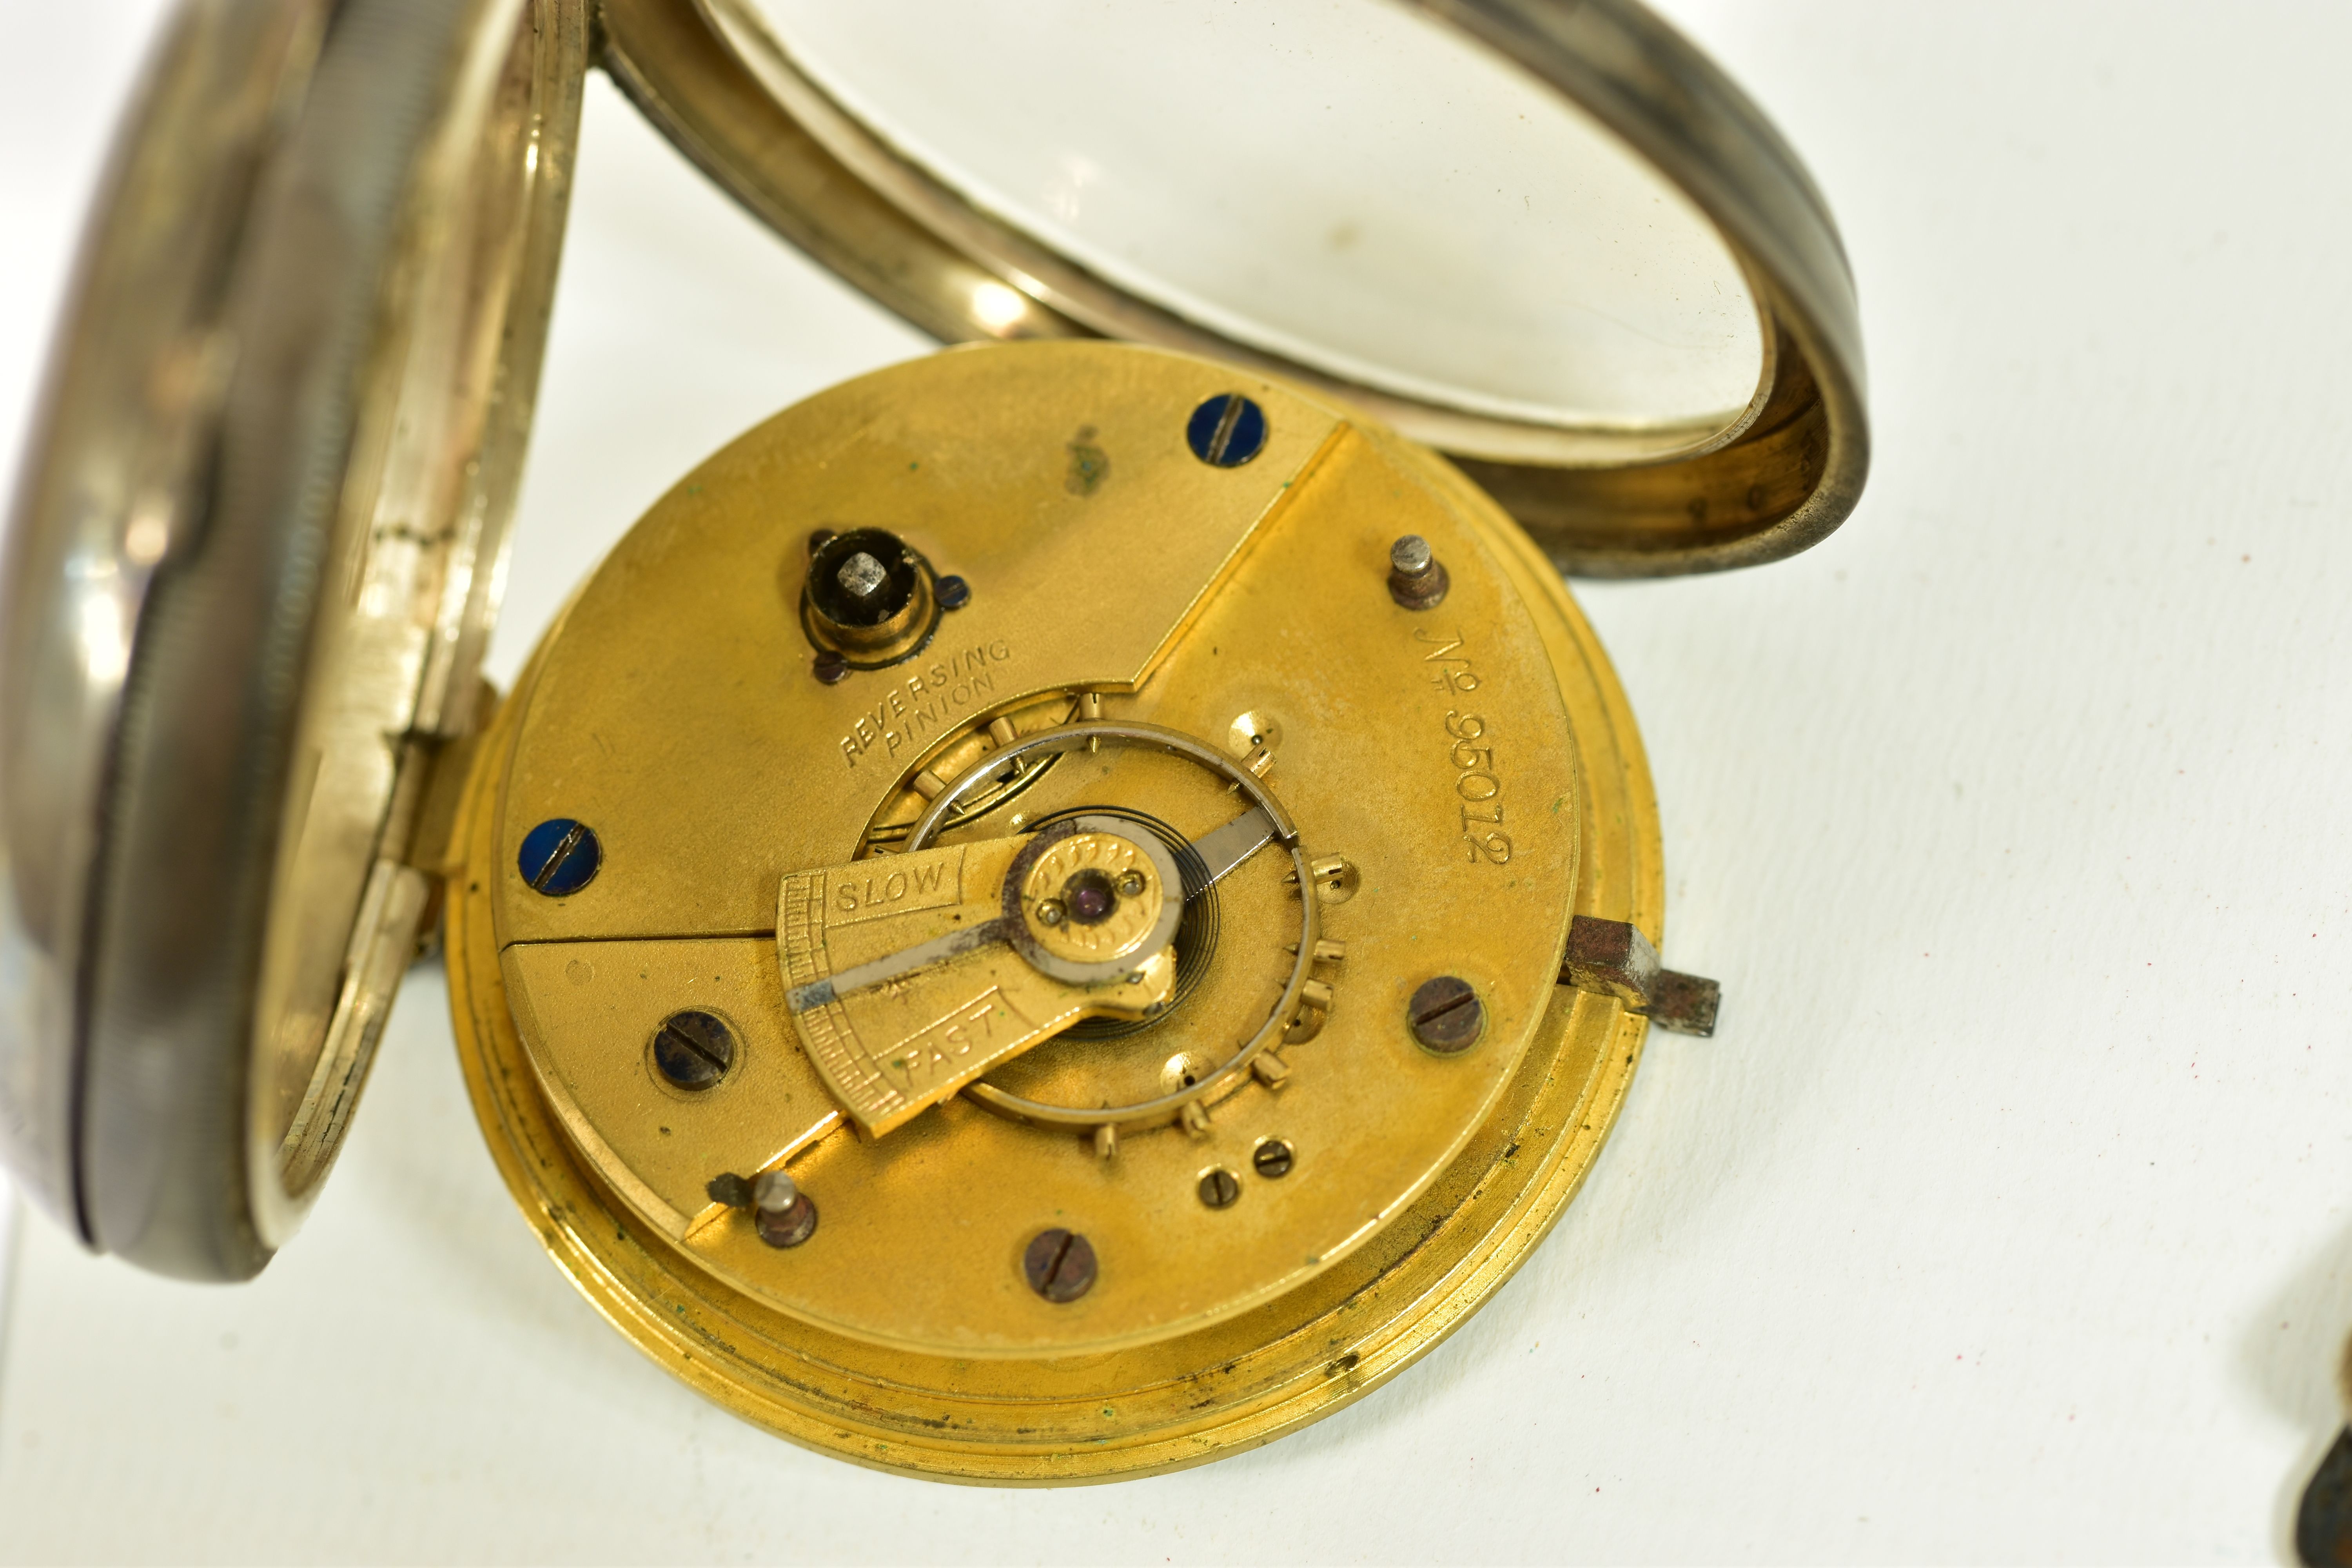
<point x="1547" y="236"/>
<point x="254" y="558"/>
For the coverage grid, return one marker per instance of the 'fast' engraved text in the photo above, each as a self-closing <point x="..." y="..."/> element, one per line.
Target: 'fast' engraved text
<point x="945" y="1049"/>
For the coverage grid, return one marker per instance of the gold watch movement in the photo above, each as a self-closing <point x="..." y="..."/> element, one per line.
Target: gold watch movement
<point x="1054" y="910"/>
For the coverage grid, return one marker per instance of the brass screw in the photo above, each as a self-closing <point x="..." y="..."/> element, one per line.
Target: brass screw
<point x="1132" y="885"/>
<point x="1059" y="1265"/>
<point x="1051" y="913"/>
<point x="1220" y="1188"/>
<point x="1447" y="1016"/>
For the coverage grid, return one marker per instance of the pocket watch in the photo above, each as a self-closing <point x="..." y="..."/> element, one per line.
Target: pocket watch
<point x="1055" y="911"/>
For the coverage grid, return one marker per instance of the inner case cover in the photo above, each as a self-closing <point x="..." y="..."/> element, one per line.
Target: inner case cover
<point x="250" y="578"/>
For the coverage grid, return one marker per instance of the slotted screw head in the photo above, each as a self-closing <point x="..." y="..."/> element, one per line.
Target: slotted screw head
<point x="693" y="1050"/>
<point x="952" y="592"/>
<point x="1272" y="1158"/>
<point x="1059" y="1265"/>
<point x="559" y="857"/>
<point x="1226" y="431"/>
<point x="1447" y="1016"/>
<point x="1220" y="1188"/>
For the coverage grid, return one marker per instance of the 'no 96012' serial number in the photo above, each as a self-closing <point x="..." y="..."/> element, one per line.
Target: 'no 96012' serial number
<point x="1480" y="787"/>
<point x="1472" y="754"/>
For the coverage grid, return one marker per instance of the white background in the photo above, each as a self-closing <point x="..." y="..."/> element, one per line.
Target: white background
<point x="2006" y="1216"/>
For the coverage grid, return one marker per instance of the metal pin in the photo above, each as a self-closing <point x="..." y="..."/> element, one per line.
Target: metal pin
<point x="1417" y="579"/>
<point x="775" y="1192"/>
<point x="783" y="1214"/>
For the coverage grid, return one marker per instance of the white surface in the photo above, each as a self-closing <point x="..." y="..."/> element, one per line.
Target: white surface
<point x="1353" y="186"/>
<point x="2006" y="1218"/>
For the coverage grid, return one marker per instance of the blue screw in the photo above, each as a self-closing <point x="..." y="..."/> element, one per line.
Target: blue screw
<point x="954" y="593"/>
<point x="1226" y="431"/>
<point x="559" y="857"/>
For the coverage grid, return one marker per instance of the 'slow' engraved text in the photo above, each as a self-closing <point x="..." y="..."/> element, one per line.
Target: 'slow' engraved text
<point x="924" y="883"/>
